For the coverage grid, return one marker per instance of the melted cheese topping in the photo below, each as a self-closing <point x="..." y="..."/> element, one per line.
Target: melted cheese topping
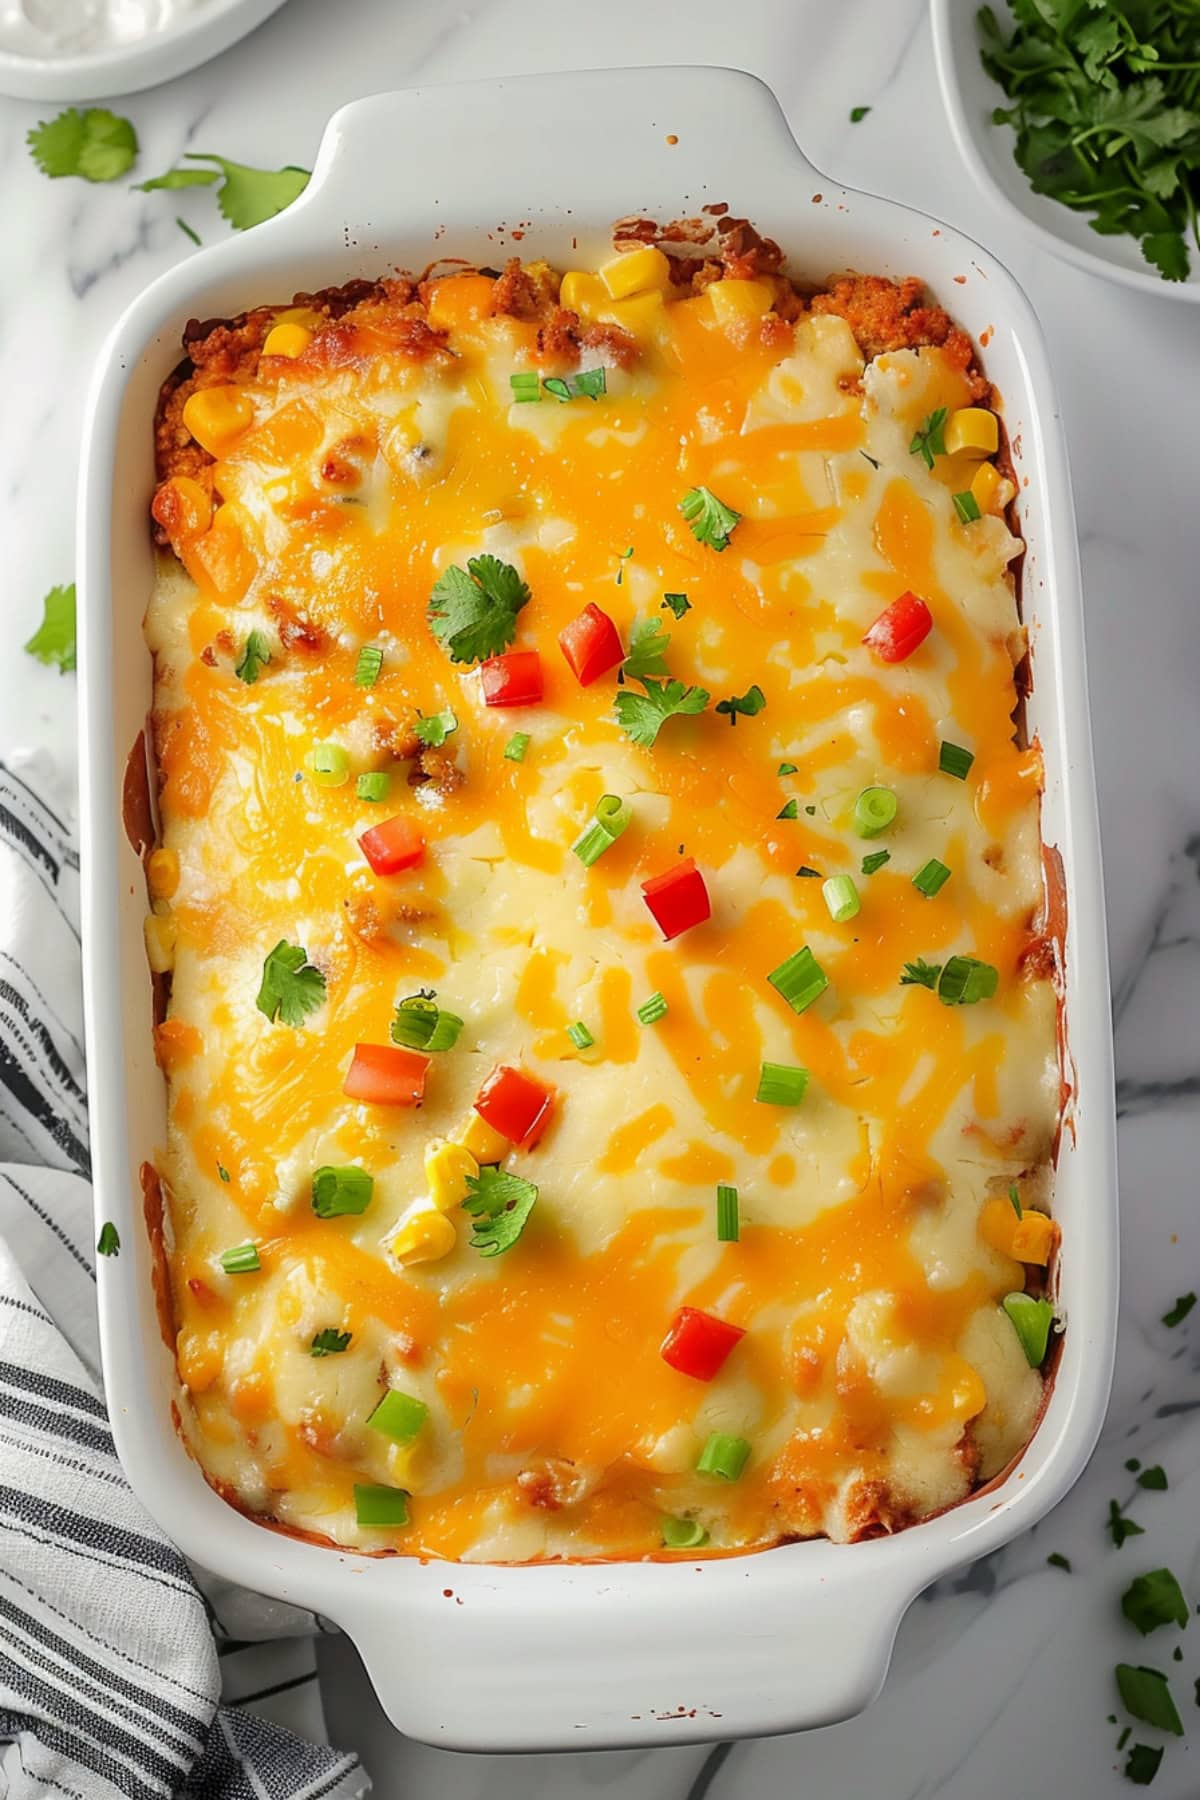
<point x="879" y="1378"/>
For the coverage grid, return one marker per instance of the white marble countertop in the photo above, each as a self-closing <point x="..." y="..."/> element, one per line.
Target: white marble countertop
<point x="1002" y="1679"/>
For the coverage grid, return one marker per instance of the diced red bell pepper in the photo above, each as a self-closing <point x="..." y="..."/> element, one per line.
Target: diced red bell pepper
<point x="386" y="1075"/>
<point x="515" y="1105"/>
<point x="394" y="845"/>
<point x="514" y="679"/>
<point x="591" y="645"/>
<point x="678" y="899"/>
<point x="900" y="629"/>
<point x="697" y="1344"/>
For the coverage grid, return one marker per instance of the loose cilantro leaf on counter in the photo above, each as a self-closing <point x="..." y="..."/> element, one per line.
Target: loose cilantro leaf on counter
<point x="1155" y="1479"/>
<point x="642" y="716"/>
<point x="1142" y="1764"/>
<point x="1057" y="1560"/>
<point x="500" y="1204"/>
<point x="187" y="230"/>
<point x="749" y="704"/>
<point x="97" y="144"/>
<point x="291" y="987"/>
<point x="329" y="1342"/>
<point x="109" y="1241"/>
<point x="1121" y="1527"/>
<point x="177" y="178"/>
<point x="928" y="440"/>
<point x="1154" y="1599"/>
<point x="858" y="114"/>
<point x="1178" y="1312"/>
<point x="648" y="644"/>
<point x="472" y="612"/>
<point x="255" y="658"/>
<point x="247" y="196"/>
<point x="710" y="519"/>
<point x="1146" y="1696"/>
<point x="53" y="643"/>
<point x="435" y="729"/>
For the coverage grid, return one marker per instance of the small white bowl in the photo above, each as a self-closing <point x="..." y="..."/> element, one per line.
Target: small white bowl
<point x="127" y="69"/>
<point x="970" y="94"/>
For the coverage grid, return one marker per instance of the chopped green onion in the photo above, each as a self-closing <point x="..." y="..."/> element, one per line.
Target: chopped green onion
<point x="1014" y="1200"/>
<point x="109" y="1241"/>
<point x="398" y="1416"/>
<point x="525" y="385"/>
<point x="517" y="745"/>
<point x="380" y="1505"/>
<point x="329" y="1342"/>
<point x="779" y="1084"/>
<point x="786" y="768"/>
<point x="373" y="786"/>
<point x="223" y="1172"/>
<point x="612" y="817"/>
<point x="241" y="1260"/>
<point x="652" y="1010"/>
<point x="682" y="1534"/>
<point x="841" y="898"/>
<point x="366" y="669"/>
<point x="591" y="383"/>
<point x="930" y="877"/>
<point x="727" y="1215"/>
<point x="336" y="1192"/>
<point x="330" y="765"/>
<point x="954" y="760"/>
<point x="724" y="1456"/>
<point x="967" y="507"/>
<point x="875" y="861"/>
<point x="420" y="1025"/>
<point x="874" y="811"/>
<point x="965" y="980"/>
<point x="580" y="1036"/>
<point x="1031" y="1320"/>
<point x="790" y="810"/>
<point x="555" y="385"/>
<point x="800" y="979"/>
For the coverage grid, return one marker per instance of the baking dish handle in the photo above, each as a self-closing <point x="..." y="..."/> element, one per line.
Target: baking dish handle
<point x="571" y="1657"/>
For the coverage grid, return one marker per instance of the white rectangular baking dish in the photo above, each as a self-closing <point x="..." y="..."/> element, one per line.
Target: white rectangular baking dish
<point x="557" y="1657"/>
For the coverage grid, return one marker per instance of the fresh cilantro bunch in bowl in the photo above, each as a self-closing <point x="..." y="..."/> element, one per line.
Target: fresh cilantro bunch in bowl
<point x="1098" y="147"/>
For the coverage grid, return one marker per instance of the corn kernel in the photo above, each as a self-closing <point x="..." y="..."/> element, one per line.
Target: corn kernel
<point x="636" y="270"/>
<point x="447" y="1170"/>
<point x="732" y="300"/>
<point x="582" y="292"/>
<point x="640" y="315"/>
<point x="287" y="340"/>
<point x="972" y="428"/>
<point x="992" y="490"/>
<point x="217" y="417"/>
<point x="1033" y="1238"/>
<point x="159" y="934"/>
<point x="424" y="1235"/>
<point x="477" y="1136"/>
<point x="162" y="874"/>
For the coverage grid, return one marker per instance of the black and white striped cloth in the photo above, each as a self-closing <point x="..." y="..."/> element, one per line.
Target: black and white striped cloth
<point x="113" y="1652"/>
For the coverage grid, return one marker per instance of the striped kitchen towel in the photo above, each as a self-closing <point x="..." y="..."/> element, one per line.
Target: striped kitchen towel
<point x="112" y="1649"/>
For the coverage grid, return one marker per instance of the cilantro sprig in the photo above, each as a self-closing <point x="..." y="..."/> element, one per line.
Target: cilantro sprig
<point x="97" y="144"/>
<point x="1106" y="109"/>
<point x="929" y="440"/>
<point x="500" y="1204"/>
<point x="246" y="196"/>
<point x="435" y="728"/>
<point x="648" y="645"/>
<point x="710" y="519"/>
<point x="472" y="612"/>
<point x="53" y="643"/>
<point x="642" y="716"/>
<point x="255" y="657"/>
<point x="749" y="704"/>
<point x="291" y="987"/>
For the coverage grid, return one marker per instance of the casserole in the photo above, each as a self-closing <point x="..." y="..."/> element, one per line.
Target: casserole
<point x="556" y="1655"/>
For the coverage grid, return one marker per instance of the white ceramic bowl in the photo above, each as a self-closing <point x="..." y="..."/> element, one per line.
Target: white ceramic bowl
<point x="970" y="95"/>
<point x="99" y="74"/>
<point x="583" y="1655"/>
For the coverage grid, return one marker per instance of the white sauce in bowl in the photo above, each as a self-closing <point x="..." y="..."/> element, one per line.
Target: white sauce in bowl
<point x="48" y="28"/>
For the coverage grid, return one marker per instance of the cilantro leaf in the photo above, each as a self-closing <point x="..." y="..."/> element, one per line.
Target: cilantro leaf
<point x="329" y="1342"/>
<point x="178" y="178"/>
<point x="710" y="519"/>
<point x="749" y="704"/>
<point x="97" y="144"/>
<point x="928" y="440"/>
<point x="1121" y="1527"/>
<point x="109" y="1241"/>
<point x="920" y="974"/>
<point x="1154" y="1480"/>
<point x="1180" y="1310"/>
<point x="472" y="612"/>
<point x="648" y="644"/>
<point x="435" y="729"/>
<point x="642" y="716"/>
<point x="1142" y="1764"/>
<point x="500" y="1203"/>
<point x="291" y="987"/>
<point x="255" y="658"/>
<point x="858" y="114"/>
<point x="247" y="196"/>
<point x="53" y="643"/>
<point x="1169" y="254"/>
<point x="1057" y="1560"/>
<point x="1154" y="1599"/>
<point x="1146" y="1695"/>
<point x="678" y="603"/>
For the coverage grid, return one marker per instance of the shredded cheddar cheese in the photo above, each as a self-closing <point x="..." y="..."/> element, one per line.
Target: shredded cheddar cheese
<point x="376" y="471"/>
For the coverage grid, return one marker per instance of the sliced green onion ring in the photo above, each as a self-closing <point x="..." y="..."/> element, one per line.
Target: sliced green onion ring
<point x="779" y="1084"/>
<point x="681" y="1534"/>
<point x="724" y="1456"/>
<point x="330" y="765"/>
<point x="841" y="898"/>
<point x="611" y="818"/>
<point x="874" y="810"/>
